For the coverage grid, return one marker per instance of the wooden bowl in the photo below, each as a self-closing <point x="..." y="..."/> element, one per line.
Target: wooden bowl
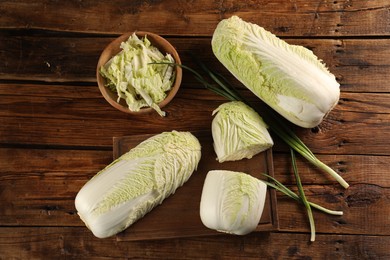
<point x="114" y="48"/>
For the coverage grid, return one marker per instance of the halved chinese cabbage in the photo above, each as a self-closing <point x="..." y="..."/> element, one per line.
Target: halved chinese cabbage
<point x="232" y="202"/>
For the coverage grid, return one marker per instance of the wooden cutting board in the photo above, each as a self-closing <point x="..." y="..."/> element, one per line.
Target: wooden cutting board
<point x="178" y="215"/>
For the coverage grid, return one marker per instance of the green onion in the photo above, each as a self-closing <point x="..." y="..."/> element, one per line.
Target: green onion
<point x="224" y="88"/>
<point x="303" y="197"/>
<point x="286" y="191"/>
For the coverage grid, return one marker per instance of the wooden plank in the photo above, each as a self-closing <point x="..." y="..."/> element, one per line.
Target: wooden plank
<point x="339" y="133"/>
<point x="48" y="201"/>
<point x="353" y="168"/>
<point x="361" y="204"/>
<point x="38" y="188"/>
<point x="164" y="222"/>
<point x="358" y="61"/>
<point x="74" y="101"/>
<point x="77" y="243"/>
<point x="359" y="65"/>
<point x="41" y="184"/>
<point x="62" y="163"/>
<point x="56" y="133"/>
<point x="49" y="129"/>
<point x="297" y="18"/>
<point x="52" y="163"/>
<point x="333" y="137"/>
<point x="28" y="119"/>
<point x="50" y="59"/>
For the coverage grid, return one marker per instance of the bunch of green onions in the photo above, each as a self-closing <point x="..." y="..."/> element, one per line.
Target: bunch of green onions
<point x="224" y="88"/>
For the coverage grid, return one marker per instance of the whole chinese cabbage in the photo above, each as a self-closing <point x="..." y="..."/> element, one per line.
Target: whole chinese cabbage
<point x="289" y="78"/>
<point x="136" y="182"/>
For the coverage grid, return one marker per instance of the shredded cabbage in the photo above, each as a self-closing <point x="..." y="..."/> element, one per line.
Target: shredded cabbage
<point x="134" y="79"/>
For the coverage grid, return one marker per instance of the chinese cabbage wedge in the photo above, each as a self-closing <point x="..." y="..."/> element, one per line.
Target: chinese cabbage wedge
<point x="238" y="132"/>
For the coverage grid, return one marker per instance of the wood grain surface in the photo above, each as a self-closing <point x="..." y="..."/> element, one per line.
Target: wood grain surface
<point x="56" y="130"/>
<point x="179" y="215"/>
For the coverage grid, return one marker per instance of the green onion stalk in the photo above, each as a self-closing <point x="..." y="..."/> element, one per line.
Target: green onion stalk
<point x="303" y="197"/>
<point x="224" y="88"/>
<point x="277" y="185"/>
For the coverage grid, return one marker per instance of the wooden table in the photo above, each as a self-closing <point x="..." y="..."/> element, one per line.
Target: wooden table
<point x="56" y="130"/>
